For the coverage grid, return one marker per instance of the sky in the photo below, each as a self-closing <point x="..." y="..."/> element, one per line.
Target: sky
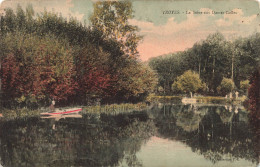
<point x="168" y="26"/>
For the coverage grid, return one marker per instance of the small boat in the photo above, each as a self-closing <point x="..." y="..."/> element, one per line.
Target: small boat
<point x="57" y="117"/>
<point x="63" y="111"/>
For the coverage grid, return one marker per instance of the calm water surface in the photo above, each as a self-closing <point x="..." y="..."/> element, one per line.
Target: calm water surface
<point x="163" y="136"/>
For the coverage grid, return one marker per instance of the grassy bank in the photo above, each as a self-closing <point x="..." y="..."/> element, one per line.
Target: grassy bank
<point x="199" y="99"/>
<point x="115" y="108"/>
<point x="19" y="113"/>
<point x="108" y="109"/>
<point x="164" y="99"/>
<point x="220" y="100"/>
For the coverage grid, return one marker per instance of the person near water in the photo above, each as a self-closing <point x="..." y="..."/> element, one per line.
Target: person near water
<point x="52" y="108"/>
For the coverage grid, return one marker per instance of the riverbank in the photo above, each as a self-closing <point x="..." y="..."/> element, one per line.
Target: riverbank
<point x="196" y="99"/>
<point x="114" y="108"/>
<point x="124" y="107"/>
<point x="107" y="109"/>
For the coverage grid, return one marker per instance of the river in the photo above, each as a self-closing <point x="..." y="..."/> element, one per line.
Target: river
<point x="172" y="135"/>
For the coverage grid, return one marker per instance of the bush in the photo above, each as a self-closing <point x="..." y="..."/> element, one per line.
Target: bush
<point x="226" y="86"/>
<point x="188" y="82"/>
<point x="244" y="85"/>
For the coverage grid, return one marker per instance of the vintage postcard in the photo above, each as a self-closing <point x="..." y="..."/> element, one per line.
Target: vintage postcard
<point x="143" y="83"/>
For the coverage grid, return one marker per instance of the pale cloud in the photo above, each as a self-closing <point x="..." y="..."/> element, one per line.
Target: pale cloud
<point x="239" y="18"/>
<point x="69" y="4"/>
<point x="192" y="22"/>
<point x="76" y="14"/>
<point x="166" y="33"/>
<point x="170" y="27"/>
<point x="153" y="46"/>
<point x="174" y="36"/>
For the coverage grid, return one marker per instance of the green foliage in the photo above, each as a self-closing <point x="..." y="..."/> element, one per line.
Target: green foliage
<point x="199" y="99"/>
<point x="226" y="86"/>
<point x="114" y="108"/>
<point x="244" y="85"/>
<point x="167" y="67"/>
<point x="136" y="81"/>
<point x="19" y="113"/>
<point x="111" y="18"/>
<point x="188" y="82"/>
<point x="207" y="58"/>
<point x="248" y="55"/>
<point x="215" y="47"/>
<point x="164" y="99"/>
<point x="213" y="59"/>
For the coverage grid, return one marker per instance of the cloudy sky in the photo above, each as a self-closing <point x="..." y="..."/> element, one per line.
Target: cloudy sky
<point x="166" y="32"/>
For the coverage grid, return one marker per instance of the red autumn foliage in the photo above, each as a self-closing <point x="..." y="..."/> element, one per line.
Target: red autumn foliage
<point x="254" y="107"/>
<point x="96" y="82"/>
<point x="10" y="76"/>
<point x="47" y="81"/>
<point x="254" y="96"/>
<point x="41" y="78"/>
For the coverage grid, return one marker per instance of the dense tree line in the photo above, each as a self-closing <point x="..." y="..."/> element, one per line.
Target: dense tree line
<point x="46" y="56"/>
<point x="213" y="59"/>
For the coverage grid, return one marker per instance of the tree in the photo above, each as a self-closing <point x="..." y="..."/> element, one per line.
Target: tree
<point x="188" y="82"/>
<point x="36" y="67"/>
<point x="215" y="60"/>
<point x="20" y="17"/>
<point x="210" y="58"/>
<point x="226" y="86"/>
<point x="254" y="97"/>
<point x="54" y="70"/>
<point x="135" y="81"/>
<point x="249" y="60"/>
<point x="93" y="74"/>
<point x="168" y="67"/>
<point x="111" y="18"/>
<point x="10" y="75"/>
<point x="194" y="57"/>
<point x="9" y="20"/>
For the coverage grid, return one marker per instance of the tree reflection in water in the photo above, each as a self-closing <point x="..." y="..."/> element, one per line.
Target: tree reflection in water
<point x="94" y="140"/>
<point x="216" y="132"/>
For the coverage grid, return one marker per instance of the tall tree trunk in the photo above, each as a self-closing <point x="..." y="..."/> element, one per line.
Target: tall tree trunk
<point x="213" y="71"/>
<point x="199" y="68"/>
<point x="164" y="88"/>
<point x="213" y="75"/>
<point x="232" y="68"/>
